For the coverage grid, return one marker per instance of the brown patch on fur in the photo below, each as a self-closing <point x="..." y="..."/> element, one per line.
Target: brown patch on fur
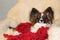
<point x="48" y="16"/>
<point x="35" y="16"/>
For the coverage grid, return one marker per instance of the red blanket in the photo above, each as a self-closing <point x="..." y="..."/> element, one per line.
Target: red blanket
<point x="26" y="34"/>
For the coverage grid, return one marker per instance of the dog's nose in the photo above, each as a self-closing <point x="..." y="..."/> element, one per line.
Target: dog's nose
<point x="41" y="20"/>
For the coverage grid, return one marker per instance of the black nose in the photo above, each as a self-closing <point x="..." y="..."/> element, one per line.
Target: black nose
<point x="41" y="20"/>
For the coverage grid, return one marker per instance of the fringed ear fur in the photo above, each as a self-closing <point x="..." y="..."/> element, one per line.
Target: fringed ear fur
<point x="49" y="13"/>
<point x="34" y="16"/>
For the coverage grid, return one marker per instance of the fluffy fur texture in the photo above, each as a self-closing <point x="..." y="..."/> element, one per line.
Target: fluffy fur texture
<point x="54" y="33"/>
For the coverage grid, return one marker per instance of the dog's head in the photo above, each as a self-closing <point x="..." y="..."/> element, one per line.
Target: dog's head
<point x="46" y="17"/>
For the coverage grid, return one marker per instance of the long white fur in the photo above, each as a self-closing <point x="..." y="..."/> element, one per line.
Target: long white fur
<point x="54" y="31"/>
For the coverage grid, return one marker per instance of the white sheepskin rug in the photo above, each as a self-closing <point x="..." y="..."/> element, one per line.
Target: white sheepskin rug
<point x="54" y="33"/>
<point x="24" y="8"/>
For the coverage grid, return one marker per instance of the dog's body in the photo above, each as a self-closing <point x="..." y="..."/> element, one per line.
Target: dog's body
<point x="47" y="17"/>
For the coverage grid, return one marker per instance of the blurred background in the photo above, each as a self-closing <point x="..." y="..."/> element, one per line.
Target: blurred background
<point x="5" y="5"/>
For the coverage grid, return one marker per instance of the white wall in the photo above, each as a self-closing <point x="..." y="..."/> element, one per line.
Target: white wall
<point x="5" y="5"/>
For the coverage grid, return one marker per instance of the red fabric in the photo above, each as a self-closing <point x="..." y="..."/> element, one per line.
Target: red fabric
<point x="41" y="33"/>
<point x="28" y="36"/>
<point x="11" y="37"/>
<point x="25" y="36"/>
<point x="23" y="27"/>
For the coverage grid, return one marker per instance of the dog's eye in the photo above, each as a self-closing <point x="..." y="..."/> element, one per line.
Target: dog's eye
<point x="11" y="27"/>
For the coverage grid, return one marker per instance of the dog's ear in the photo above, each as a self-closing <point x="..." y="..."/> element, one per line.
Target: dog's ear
<point x="49" y="13"/>
<point x="34" y="15"/>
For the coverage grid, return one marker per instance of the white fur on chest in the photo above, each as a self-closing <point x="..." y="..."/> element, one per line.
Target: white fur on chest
<point x="37" y="26"/>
